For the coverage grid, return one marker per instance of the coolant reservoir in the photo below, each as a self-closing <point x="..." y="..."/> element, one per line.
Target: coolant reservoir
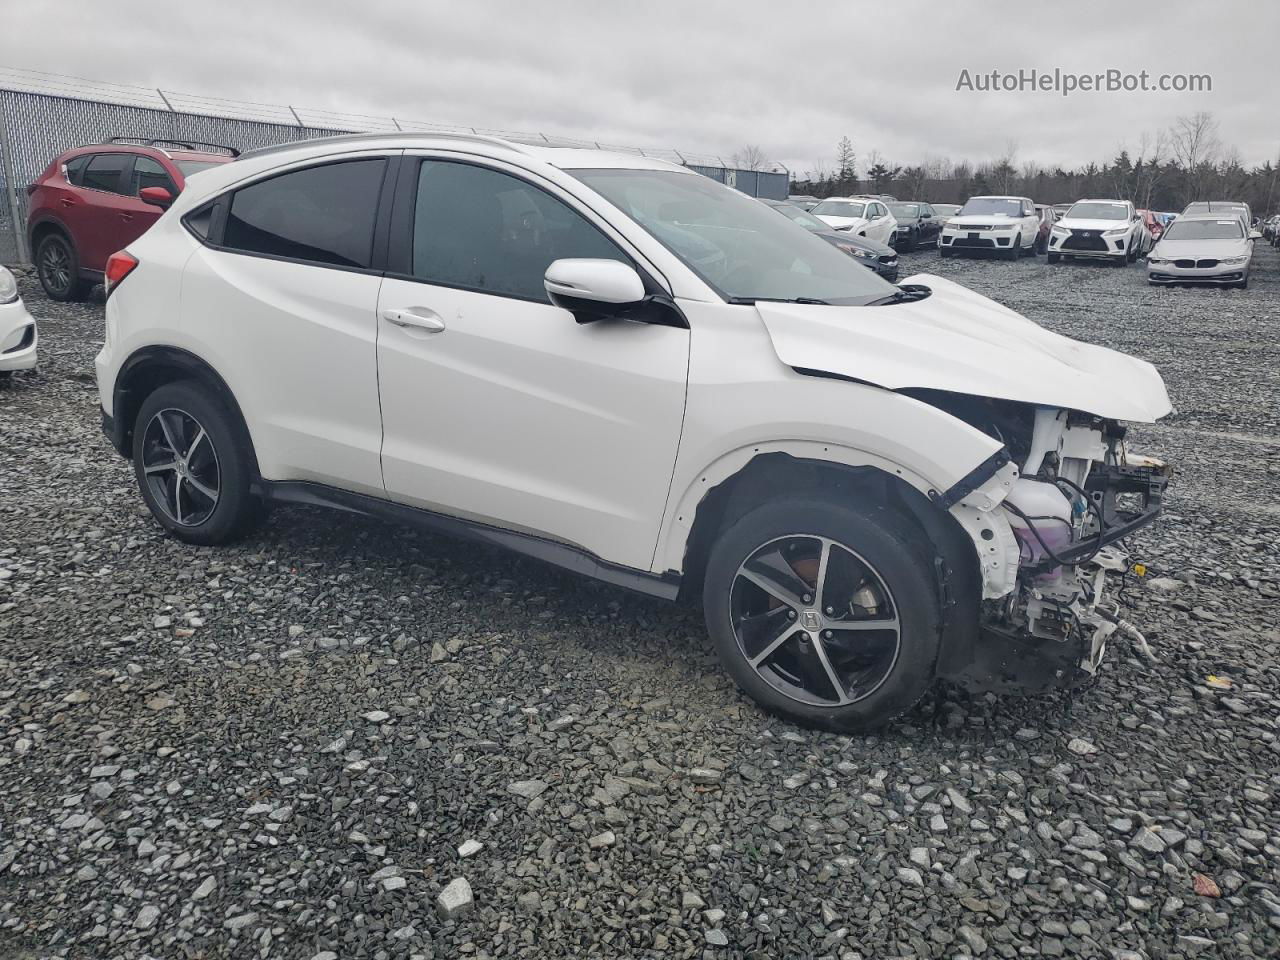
<point x="1048" y="508"/>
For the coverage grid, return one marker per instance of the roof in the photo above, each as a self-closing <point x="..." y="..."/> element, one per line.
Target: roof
<point x="566" y="158"/>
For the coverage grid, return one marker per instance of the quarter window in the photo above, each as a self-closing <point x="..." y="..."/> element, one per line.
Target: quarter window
<point x="148" y="173"/>
<point x="75" y="169"/>
<point x="321" y="214"/>
<point x="483" y="230"/>
<point x="104" y="172"/>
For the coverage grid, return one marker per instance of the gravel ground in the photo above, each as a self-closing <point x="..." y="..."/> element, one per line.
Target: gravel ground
<point x="343" y="739"/>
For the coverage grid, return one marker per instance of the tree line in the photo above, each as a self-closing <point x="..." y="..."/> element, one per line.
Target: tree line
<point x="1164" y="171"/>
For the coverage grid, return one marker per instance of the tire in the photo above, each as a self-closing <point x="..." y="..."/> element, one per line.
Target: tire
<point x="1052" y="257"/>
<point x="1015" y="252"/>
<point x="913" y="241"/>
<point x="944" y="253"/>
<point x="1243" y="284"/>
<point x="58" y="267"/>
<point x="871" y="559"/>
<point x="170" y="422"/>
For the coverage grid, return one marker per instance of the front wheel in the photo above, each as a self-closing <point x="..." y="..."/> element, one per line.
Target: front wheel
<point x="944" y="253"/>
<point x="1016" y="250"/>
<point x="192" y="469"/>
<point x="824" y="614"/>
<point x="1053" y="258"/>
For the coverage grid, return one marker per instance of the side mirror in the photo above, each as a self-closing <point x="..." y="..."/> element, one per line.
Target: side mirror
<point x="593" y="289"/>
<point x="156" y="196"/>
<point x="874" y="216"/>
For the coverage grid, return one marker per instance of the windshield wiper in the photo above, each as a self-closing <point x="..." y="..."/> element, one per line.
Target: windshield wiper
<point x="907" y="294"/>
<point x="824" y="303"/>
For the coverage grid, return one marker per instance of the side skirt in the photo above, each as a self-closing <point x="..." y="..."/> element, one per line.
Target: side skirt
<point x="666" y="587"/>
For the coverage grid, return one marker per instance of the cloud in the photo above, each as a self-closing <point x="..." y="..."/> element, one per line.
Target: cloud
<point x="703" y="77"/>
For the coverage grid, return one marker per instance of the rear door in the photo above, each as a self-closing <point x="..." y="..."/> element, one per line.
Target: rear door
<point x="498" y="406"/>
<point x="281" y="300"/>
<point x="97" y="217"/>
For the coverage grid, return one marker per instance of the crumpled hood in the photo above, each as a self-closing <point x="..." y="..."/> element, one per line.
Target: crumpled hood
<point x="963" y="342"/>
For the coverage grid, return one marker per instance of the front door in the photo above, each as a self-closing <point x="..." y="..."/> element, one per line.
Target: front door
<point x="498" y="406"/>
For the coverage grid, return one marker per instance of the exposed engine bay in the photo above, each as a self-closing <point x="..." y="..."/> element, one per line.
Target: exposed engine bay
<point x="1049" y="526"/>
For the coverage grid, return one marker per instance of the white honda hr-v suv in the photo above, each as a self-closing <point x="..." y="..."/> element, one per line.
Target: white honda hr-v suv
<point x="622" y="367"/>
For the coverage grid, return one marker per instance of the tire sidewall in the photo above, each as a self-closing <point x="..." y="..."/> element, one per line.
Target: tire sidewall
<point x="875" y="536"/>
<point x="235" y="502"/>
<point x="73" y="266"/>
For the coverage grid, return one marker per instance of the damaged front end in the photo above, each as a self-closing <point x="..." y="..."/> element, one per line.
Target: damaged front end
<point x="1048" y="526"/>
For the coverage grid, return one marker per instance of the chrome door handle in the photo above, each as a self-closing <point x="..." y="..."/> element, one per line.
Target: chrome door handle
<point x="427" y="322"/>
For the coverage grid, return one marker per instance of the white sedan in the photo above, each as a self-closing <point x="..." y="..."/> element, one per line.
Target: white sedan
<point x="861" y="216"/>
<point x="17" y="328"/>
<point x="1202" y="250"/>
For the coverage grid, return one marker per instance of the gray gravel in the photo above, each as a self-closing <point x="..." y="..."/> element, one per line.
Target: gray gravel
<point x="283" y="749"/>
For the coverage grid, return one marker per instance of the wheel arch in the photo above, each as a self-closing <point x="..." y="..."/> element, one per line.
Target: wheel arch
<point x="40" y="228"/>
<point x="765" y="473"/>
<point x="150" y="368"/>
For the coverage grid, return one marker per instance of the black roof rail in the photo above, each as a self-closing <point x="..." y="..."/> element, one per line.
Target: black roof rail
<point x="162" y="142"/>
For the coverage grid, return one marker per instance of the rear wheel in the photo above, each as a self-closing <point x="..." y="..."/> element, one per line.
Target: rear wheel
<point x="192" y="469"/>
<point x="822" y="613"/>
<point x="59" y="269"/>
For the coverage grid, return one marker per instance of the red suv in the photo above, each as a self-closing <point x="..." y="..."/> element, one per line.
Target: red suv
<point x="92" y="201"/>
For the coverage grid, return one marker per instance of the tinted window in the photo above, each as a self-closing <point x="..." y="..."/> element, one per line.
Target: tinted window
<point x="484" y="230"/>
<point x="321" y="214"/>
<point x="188" y="167"/>
<point x="75" y="169"/>
<point x="103" y="172"/>
<point x="149" y="173"/>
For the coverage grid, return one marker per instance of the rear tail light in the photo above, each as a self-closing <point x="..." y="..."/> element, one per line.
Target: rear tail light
<point x="119" y="266"/>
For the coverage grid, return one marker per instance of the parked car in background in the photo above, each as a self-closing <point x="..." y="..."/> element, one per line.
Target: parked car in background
<point x="1061" y="209"/>
<point x="875" y="256"/>
<point x="18" y="334"/>
<point x="618" y="365"/>
<point x="1109" y="230"/>
<point x="1269" y="227"/>
<point x="803" y="201"/>
<point x="1216" y="208"/>
<point x="863" y="216"/>
<point x="917" y="225"/>
<point x="1006" y="226"/>
<point x="94" y="200"/>
<point x="1153" y="223"/>
<point x="1202" y="249"/>
<point x="1048" y="217"/>
<point x="944" y="212"/>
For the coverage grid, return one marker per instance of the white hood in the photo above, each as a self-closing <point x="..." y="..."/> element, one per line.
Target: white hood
<point x="960" y="341"/>
<point x="974" y="220"/>
<point x="845" y="223"/>
<point x="1101" y="226"/>
<point x="1198" y="248"/>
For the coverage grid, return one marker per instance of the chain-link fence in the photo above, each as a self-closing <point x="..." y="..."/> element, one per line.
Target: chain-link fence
<point x="42" y="115"/>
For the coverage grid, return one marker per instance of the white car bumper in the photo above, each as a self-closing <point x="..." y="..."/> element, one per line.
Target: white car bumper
<point x="1219" y="272"/>
<point x="1089" y="243"/>
<point x="18" y="337"/>
<point x="977" y="239"/>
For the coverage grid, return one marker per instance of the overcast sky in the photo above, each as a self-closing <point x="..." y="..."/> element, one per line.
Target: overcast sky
<point x="702" y="75"/>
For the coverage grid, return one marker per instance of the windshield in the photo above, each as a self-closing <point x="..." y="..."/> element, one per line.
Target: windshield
<point x="991" y="207"/>
<point x="1213" y="206"/>
<point x="1204" y="230"/>
<point x="188" y="167"/>
<point x="946" y="209"/>
<point x="1098" y="211"/>
<point x="802" y="217"/>
<point x="840" y="208"/>
<point x="906" y="211"/>
<point x="740" y="247"/>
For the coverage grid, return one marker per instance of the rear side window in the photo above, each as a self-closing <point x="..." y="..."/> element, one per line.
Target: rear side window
<point x="321" y="214"/>
<point x="148" y="173"/>
<point x="104" y="172"/>
<point x="75" y="169"/>
<point x="484" y="230"/>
